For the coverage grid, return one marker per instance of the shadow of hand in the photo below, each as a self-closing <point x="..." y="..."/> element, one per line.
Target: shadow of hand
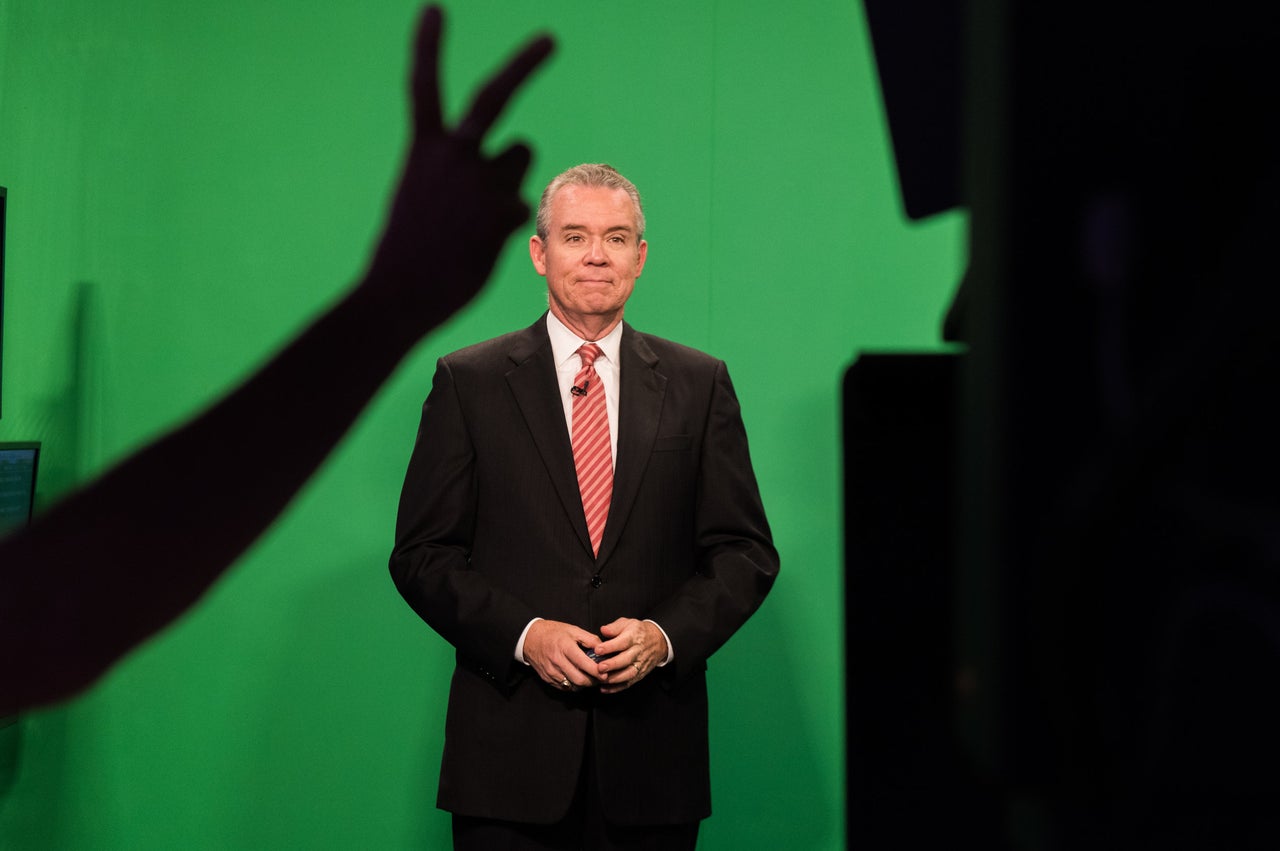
<point x="455" y="206"/>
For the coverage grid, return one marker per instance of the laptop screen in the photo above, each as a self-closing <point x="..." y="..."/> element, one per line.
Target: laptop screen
<point x="18" y="463"/>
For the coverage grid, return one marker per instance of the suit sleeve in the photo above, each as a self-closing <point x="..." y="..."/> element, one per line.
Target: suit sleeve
<point x="735" y="557"/>
<point x="431" y="562"/>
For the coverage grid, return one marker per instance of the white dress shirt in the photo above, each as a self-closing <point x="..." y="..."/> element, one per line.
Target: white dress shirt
<point x="564" y="350"/>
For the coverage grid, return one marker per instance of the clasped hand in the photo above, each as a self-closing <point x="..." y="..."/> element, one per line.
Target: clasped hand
<point x="628" y="651"/>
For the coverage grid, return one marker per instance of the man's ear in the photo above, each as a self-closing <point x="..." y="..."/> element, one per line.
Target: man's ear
<point x="538" y="254"/>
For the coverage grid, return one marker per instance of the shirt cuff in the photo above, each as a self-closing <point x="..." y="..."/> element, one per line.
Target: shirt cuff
<point x="671" y="650"/>
<point x="520" y="643"/>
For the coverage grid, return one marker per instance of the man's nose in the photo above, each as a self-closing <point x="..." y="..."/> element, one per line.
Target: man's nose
<point x="595" y="253"/>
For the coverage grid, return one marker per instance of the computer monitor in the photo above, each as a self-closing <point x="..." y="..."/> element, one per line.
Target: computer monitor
<point x="3" y="212"/>
<point x="18" y="465"/>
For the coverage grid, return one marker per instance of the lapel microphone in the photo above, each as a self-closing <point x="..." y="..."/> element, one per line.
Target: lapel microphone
<point x="579" y="391"/>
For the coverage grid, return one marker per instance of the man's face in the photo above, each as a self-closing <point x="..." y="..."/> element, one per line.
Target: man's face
<point x="591" y="257"/>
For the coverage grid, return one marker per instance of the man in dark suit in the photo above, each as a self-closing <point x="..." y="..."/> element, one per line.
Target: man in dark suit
<point x="583" y="596"/>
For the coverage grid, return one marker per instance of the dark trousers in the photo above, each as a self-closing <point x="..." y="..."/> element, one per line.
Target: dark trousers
<point x="582" y="829"/>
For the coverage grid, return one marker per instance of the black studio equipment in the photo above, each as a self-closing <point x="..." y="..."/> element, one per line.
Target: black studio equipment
<point x="1063" y="540"/>
<point x="900" y="421"/>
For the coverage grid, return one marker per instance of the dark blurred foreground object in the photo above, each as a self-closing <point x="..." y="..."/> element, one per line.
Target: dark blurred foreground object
<point x="917" y="45"/>
<point x="911" y="785"/>
<point x="109" y="566"/>
<point x="1116" y="589"/>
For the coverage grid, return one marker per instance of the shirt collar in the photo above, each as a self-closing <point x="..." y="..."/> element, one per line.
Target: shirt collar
<point x="565" y="343"/>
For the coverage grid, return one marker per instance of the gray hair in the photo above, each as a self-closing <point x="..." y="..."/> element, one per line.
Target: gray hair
<point x="588" y="174"/>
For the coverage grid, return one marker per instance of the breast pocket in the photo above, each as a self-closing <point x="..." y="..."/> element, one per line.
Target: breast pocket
<point x="673" y="443"/>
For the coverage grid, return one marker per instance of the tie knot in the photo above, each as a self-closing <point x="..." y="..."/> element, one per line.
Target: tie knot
<point x="589" y="352"/>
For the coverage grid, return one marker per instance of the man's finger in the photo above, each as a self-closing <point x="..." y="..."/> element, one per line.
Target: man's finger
<point x="492" y="99"/>
<point x="623" y="679"/>
<point x="427" y="118"/>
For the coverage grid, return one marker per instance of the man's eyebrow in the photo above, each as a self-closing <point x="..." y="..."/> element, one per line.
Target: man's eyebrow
<point x="626" y="228"/>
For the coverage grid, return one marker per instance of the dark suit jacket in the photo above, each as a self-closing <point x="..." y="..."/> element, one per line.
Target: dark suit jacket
<point x="491" y="534"/>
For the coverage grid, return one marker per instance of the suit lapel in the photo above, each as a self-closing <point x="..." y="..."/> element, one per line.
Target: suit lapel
<point x="532" y="379"/>
<point x="642" y="389"/>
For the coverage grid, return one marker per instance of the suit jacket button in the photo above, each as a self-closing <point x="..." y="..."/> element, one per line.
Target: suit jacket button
<point x="596" y="581"/>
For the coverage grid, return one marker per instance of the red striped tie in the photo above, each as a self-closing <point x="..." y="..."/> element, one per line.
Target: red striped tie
<point x="592" y="453"/>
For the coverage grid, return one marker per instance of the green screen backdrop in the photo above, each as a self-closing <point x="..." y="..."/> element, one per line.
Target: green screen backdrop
<point x="190" y="183"/>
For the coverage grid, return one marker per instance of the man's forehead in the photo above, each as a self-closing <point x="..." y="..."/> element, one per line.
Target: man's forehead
<point x="575" y="195"/>
<point x="616" y="205"/>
